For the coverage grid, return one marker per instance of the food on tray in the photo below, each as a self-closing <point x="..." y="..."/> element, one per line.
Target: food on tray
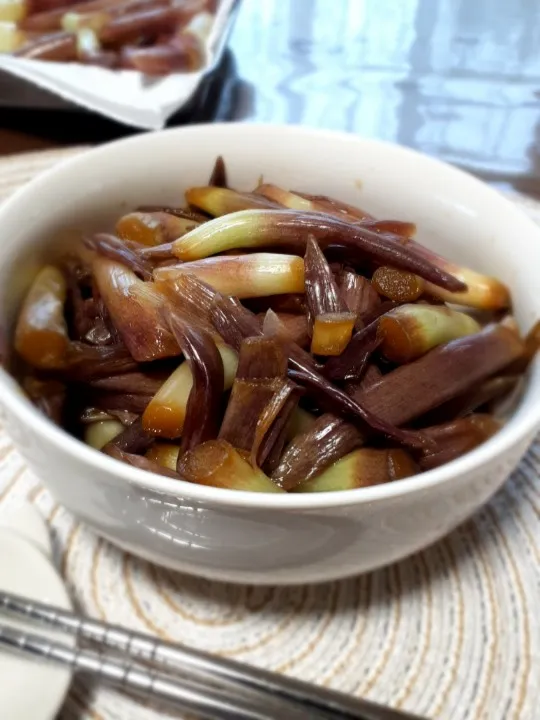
<point x="156" y="37"/>
<point x="269" y="340"/>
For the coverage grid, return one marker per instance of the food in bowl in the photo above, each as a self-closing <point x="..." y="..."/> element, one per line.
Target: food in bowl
<point x="155" y="37"/>
<point x="324" y="349"/>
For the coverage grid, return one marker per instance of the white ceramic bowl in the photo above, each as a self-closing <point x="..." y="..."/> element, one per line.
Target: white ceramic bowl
<point x="236" y="536"/>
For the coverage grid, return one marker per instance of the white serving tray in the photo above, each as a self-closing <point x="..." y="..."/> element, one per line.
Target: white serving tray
<point x="127" y="96"/>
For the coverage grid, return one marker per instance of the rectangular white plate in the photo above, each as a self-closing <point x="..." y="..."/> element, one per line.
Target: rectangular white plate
<point x="127" y="96"/>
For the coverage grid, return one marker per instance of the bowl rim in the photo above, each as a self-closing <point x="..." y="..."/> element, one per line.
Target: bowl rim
<point x="509" y="436"/>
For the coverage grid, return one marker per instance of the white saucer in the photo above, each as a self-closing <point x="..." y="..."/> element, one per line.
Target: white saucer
<point x="30" y="690"/>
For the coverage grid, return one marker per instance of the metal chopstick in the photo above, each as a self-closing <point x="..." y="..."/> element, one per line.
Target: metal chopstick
<point x="315" y="700"/>
<point x="142" y="682"/>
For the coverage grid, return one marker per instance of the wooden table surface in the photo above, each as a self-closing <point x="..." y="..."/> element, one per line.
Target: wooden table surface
<point x="455" y="79"/>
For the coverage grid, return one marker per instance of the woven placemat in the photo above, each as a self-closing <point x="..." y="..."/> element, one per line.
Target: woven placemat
<point x="453" y="633"/>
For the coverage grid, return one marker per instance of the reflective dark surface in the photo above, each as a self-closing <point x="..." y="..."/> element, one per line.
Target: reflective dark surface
<point x="453" y="78"/>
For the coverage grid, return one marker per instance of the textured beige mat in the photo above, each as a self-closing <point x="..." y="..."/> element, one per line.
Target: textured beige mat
<point x="452" y="633"/>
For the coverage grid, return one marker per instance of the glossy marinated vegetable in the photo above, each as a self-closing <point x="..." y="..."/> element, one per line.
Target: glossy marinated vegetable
<point x="221" y="344"/>
<point x="156" y="37"/>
